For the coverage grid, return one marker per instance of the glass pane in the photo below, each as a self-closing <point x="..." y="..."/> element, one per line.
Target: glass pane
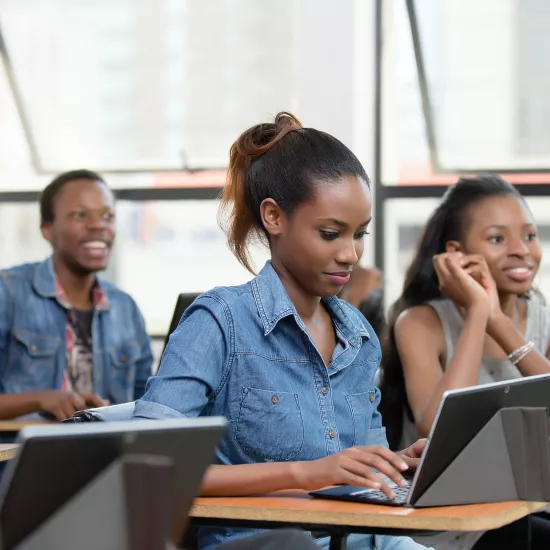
<point x="15" y="165"/>
<point x="20" y="237"/>
<point x="169" y="84"/>
<point x="164" y="248"/>
<point x="404" y="219"/>
<point x="154" y="84"/>
<point x="403" y="222"/>
<point x="488" y="71"/>
<point x="405" y="152"/>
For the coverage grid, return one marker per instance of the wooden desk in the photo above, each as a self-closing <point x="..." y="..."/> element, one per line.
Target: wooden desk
<point x="7" y="451"/>
<point x="298" y="509"/>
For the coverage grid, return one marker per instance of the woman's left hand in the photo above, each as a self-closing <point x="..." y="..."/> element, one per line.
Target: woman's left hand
<point x="411" y="455"/>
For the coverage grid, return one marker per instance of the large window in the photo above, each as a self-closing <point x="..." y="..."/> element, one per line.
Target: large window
<point x="153" y="84"/>
<point x="486" y="67"/>
<point x="169" y="84"/>
<point x="151" y="93"/>
<point x="464" y="89"/>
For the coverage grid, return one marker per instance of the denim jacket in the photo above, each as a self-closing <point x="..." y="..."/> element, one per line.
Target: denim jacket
<point x="33" y="337"/>
<point x="244" y="353"/>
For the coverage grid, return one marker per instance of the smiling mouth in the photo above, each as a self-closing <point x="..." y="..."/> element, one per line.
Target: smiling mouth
<point x="96" y="245"/>
<point x="96" y="250"/>
<point x="519" y="274"/>
<point x="519" y="270"/>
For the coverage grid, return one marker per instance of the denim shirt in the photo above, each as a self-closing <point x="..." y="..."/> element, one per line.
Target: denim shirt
<point x="244" y="353"/>
<point x="33" y="337"/>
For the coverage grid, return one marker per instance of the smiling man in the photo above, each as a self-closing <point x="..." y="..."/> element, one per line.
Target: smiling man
<point x="69" y="340"/>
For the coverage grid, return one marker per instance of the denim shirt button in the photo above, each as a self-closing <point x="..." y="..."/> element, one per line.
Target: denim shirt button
<point x="274" y="399"/>
<point x="324" y="391"/>
<point x="332" y="434"/>
<point x="372" y="397"/>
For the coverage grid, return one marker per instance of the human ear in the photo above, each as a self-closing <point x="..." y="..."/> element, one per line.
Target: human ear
<point x="453" y="246"/>
<point x="47" y="232"/>
<point x="273" y="217"/>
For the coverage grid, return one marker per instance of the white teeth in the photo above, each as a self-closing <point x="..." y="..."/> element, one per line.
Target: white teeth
<point x="518" y="270"/>
<point x="95" y="244"/>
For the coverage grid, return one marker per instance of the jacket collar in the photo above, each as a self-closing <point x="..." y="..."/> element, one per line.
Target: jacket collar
<point x="46" y="284"/>
<point x="274" y="304"/>
<point x="44" y="279"/>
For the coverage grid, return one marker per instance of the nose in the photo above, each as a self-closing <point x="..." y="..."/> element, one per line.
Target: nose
<point x="518" y="247"/>
<point x="97" y="220"/>
<point x="348" y="254"/>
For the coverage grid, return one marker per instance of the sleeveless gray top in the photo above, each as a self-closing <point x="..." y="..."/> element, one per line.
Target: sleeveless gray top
<point x="491" y="370"/>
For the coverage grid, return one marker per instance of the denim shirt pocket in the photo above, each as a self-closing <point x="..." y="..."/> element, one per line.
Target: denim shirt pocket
<point x="31" y="365"/>
<point x="124" y="358"/>
<point x="361" y="409"/>
<point x="270" y="426"/>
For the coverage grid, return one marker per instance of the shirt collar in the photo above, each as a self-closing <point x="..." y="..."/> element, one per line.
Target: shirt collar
<point x="274" y="304"/>
<point x="99" y="298"/>
<point x="47" y="285"/>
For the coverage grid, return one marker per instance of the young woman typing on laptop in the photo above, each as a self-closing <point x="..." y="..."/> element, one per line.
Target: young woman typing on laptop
<point x="468" y="313"/>
<point x="286" y="362"/>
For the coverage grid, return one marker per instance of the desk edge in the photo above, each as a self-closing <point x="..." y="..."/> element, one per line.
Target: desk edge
<point x="336" y="518"/>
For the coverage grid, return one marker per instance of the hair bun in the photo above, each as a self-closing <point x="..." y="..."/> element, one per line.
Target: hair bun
<point x="260" y="138"/>
<point x="284" y="119"/>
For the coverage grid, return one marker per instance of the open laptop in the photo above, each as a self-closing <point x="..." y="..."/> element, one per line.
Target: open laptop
<point x="182" y="303"/>
<point x="461" y="415"/>
<point x="56" y="462"/>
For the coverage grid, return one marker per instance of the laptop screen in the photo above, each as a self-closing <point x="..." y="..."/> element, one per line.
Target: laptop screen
<point x="55" y="462"/>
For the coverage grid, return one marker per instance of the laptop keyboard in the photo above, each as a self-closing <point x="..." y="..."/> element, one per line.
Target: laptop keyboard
<point x="372" y="496"/>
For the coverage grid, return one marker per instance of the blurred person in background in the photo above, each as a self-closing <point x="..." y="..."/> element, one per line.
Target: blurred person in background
<point x="468" y="314"/>
<point x="68" y="339"/>
<point x="364" y="291"/>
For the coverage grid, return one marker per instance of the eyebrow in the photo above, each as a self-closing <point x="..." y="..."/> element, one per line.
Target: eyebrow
<point x="497" y="226"/>
<point x="340" y="223"/>
<point x="105" y="207"/>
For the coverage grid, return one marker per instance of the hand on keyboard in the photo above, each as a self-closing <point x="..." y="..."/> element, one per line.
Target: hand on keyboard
<point x="354" y="466"/>
<point x="372" y="496"/>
